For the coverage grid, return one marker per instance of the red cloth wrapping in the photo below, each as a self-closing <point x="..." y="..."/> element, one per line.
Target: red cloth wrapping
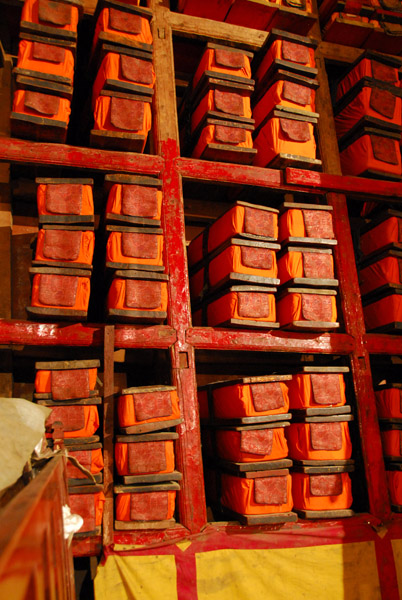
<point x="367" y="68"/>
<point x="87" y="420"/>
<point x="391" y="443"/>
<point x="90" y="507"/>
<point x="386" y="270"/>
<point x="361" y="156"/>
<point x="389" y="403"/>
<point x="92" y="460"/>
<point x="383" y="312"/>
<point x="394" y="480"/>
<point x="381" y="235"/>
<point x="285" y="50"/>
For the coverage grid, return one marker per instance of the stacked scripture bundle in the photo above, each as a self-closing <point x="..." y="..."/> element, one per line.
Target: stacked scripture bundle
<point x="284" y="102"/>
<point x="319" y="443"/>
<point x="45" y="69"/>
<point x="233" y="270"/>
<point x="368" y="117"/>
<point x="135" y="249"/>
<point x="380" y="272"/>
<point x="217" y="107"/>
<point x="124" y="79"/>
<point x="63" y="260"/>
<point x="243" y="423"/>
<point x="306" y="268"/>
<point x="69" y="388"/>
<point x="145" y="461"/>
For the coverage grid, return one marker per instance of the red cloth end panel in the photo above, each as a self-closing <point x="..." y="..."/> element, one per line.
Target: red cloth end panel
<point x="146" y="457"/>
<point x="44" y="104"/>
<point x="135" y="69"/>
<point x="228" y="102"/>
<point x="318" y="224"/>
<point x="62" y="244"/>
<point x="149" y="506"/>
<point x="256" y="258"/>
<point x="296" y="131"/>
<point x="72" y="417"/>
<point x="151" y="405"/>
<point x="123" y="21"/>
<point x="318" y="266"/>
<point x="383" y="72"/>
<point x="322" y="492"/>
<point x="326" y="485"/>
<point x="260" y="222"/>
<point x="226" y="58"/>
<point x="270" y="490"/>
<point x="392" y="443"/>
<point x="295" y="52"/>
<point x="326" y="436"/>
<point x="229" y="135"/>
<point x="139" y="245"/>
<point x="48" y="53"/>
<point x="55" y="13"/>
<point x="267" y="396"/>
<point x="294" y="92"/>
<point x="64" y="198"/>
<point x="384" y="149"/>
<point x="383" y="102"/>
<point x="326" y="388"/>
<point x="256" y="441"/>
<point x="68" y="385"/>
<point x="316" y="307"/>
<point x="127" y="114"/>
<point x="253" y="305"/>
<point x="139" y="201"/>
<point x="57" y="290"/>
<point x="143" y="294"/>
<point x="84" y="505"/>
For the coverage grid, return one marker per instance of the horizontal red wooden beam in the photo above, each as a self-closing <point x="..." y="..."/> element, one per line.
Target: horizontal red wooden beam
<point x="344" y="184"/>
<point x="27" y="152"/>
<point x="383" y="344"/>
<point x="278" y="341"/>
<point x="151" y="537"/>
<point x="78" y="334"/>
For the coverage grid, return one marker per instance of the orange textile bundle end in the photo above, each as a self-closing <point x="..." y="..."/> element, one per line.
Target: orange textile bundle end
<point x="284" y="136"/>
<point x="146" y="506"/>
<point x="60" y="291"/>
<point x="253" y="445"/>
<point x="223" y="134"/>
<point x="57" y="245"/>
<point x="319" y="441"/>
<point x="389" y="403"/>
<point x="92" y="460"/>
<point x="371" y="152"/>
<point x="51" y="382"/>
<point x="384" y="271"/>
<point x="123" y="24"/>
<point x="306" y="307"/>
<point x="391" y="443"/>
<point x="122" y="114"/>
<point x="383" y="312"/>
<point x="322" y="492"/>
<point x="312" y="223"/>
<point x="367" y="68"/>
<point x="131" y="294"/>
<point x="135" y="201"/>
<point x="90" y="507"/>
<point x="258" y="306"/>
<point x="250" y="400"/>
<point x="226" y="102"/>
<point x="382" y="234"/>
<point x="263" y="495"/>
<point x="142" y="458"/>
<point x="78" y="421"/>
<point x="223" y="60"/>
<point x="65" y="199"/>
<point x="36" y="104"/>
<point x="135" y="248"/>
<point x="147" y="407"/>
<point x="46" y="58"/>
<point x="284" y="93"/>
<point x="316" y="389"/>
<point x="50" y="14"/>
<point x="285" y="50"/>
<point x="294" y="264"/>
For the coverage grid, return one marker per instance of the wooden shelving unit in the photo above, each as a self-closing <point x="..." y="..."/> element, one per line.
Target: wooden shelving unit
<point x="178" y="337"/>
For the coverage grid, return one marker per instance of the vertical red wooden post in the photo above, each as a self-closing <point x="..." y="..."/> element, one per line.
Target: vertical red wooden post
<point x="108" y="433"/>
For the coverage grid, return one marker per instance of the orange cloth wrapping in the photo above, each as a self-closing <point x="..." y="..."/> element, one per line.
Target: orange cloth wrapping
<point x="103" y="115"/>
<point x="43" y="380"/>
<point x="254" y="445"/>
<point x="239" y="219"/>
<point x="394" y="479"/>
<point x="290" y="308"/>
<point x="112" y="67"/>
<point x="51" y="107"/>
<point x="361" y="156"/>
<point x="46" y="58"/>
<point x="150" y="210"/>
<point x="386" y="270"/>
<point x="81" y="300"/>
<point x="391" y="443"/>
<point x="207" y="9"/>
<point x="148" y="253"/>
<point x="117" y="296"/>
<point x="235" y="305"/>
<point x="68" y="14"/>
<point x="83" y="254"/>
<point x="299" y="264"/>
<point x="324" y="389"/>
<point x="209" y="62"/>
<point x="93" y="509"/>
<point x="209" y="102"/>
<point x="284" y="93"/>
<point x="313" y="492"/>
<point x="127" y="415"/>
<point x="152" y="506"/>
<point x="295" y="222"/>
<point x="319" y="441"/>
<point x="367" y="68"/>
<point x="389" y="403"/>
<point x="235" y="259"/>
<point x="90" y="459"/>
<point x="369" y="102"/>
<point x="381" y="235"/>
<point x="88" y="415"/>
<point x="242" y="400"/>
<point x="150" y="457"/>
<point x="210" y="135"/>
<point x="273" y="139"/>
<point x="84" y="199"/>
<point x="383" y="312"/>
<point x="285" y="50"/>
<point x="124" y="25"/>
<point x="240" y="494"/>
